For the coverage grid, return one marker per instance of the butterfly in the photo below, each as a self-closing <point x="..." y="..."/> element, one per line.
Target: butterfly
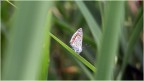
<point x="76" y="41"/>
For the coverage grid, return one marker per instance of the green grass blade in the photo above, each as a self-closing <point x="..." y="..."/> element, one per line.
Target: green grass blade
<point x="82" y="67"/>
<point x="23" y="56"/>
<point x="114" y="16"/>
<point x="95" y="29"/>
<point x="45" y="60"/>
<point x="11" y="3"/>
<point x="101" y="6"/>
<point x="87" y="72"/>
<point x="77" y="56"/>
<point x="131" y="44"/>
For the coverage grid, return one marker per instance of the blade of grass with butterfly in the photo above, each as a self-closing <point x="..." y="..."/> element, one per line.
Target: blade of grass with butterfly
<point x="80" y="58"/>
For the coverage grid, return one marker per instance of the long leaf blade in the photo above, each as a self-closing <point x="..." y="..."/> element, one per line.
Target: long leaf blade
<point x="131" y="44"/>
<point x="23" y="55"/>
<point x="95" y="29"/>
<point x="74" y="53"/>
<point x="109" y="44"/>
<point x="45" y="60"/>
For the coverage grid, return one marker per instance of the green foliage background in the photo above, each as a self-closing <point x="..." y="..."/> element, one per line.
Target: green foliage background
<point x="35" y="39"/>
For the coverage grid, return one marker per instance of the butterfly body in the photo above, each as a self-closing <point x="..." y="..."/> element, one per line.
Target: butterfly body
<point x="76" y="41"/>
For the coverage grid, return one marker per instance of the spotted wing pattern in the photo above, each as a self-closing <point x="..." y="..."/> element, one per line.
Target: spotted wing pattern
<point x="76" y="41"/>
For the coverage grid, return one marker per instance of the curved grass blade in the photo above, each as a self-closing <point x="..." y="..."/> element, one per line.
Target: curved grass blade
<point x="114" y="17"/>
<point x="95" y="29"/>
<point x="81" y="59"/>
<point x="45" y="60"/>
<point x="87" y="72"/>
<point x="101" y="6"/>
<point x="131" y="44"/>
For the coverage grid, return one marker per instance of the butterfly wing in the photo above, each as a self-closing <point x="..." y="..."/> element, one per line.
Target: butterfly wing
<point x="76" y="40"/>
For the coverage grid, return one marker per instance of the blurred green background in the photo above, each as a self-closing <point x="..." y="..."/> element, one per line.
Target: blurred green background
<point x="35" y="39"/>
